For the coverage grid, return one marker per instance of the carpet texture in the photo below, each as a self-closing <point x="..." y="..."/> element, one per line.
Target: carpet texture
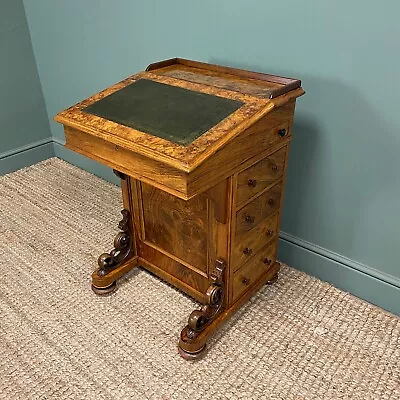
<point x="299" y="339"/>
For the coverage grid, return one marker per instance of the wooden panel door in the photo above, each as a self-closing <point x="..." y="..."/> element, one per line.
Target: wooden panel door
<point x="177" y="228"/>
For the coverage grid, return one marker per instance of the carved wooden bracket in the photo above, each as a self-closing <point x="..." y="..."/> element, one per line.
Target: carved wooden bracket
<point x="123" y="247"/>
<point x="199" y="319"/>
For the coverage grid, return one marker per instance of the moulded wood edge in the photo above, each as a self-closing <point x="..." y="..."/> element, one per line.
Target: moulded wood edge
<point x="104" y="135"/>
<point x="167" y="188"/>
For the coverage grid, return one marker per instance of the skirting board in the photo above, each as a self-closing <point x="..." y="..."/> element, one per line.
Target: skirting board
<point x="361" y="281"/>
<point x="83" y="162"/>
<point x="348" y="275"/>
<point x="22" y="157"/>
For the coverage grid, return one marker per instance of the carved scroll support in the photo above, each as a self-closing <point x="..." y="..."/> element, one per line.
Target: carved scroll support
<point x="111" y="264"/>
<point x="190" y="344"/>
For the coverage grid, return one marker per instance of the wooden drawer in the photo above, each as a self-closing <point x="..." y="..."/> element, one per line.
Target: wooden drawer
<point x="259" y="176"/>
<point x="248" y="244"/>
<point x="262" y="206"/>
<point x="252" y="271"/>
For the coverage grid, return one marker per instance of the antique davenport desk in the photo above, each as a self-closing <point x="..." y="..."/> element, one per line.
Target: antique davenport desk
<point x="201" y="151"/>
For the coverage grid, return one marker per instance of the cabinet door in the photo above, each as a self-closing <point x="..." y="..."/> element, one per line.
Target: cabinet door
<point x="177" y="228"/>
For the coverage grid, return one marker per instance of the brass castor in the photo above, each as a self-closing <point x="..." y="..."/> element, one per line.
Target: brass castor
<point x="191" y="356"/>
<point x="273" y="279"/>
<point x="105" y="290"/>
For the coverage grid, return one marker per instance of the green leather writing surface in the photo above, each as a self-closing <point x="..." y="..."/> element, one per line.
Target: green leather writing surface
<point x="173" y="113"/>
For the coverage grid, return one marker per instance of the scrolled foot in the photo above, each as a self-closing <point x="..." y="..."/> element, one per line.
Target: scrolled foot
<point x="104" y="291"/>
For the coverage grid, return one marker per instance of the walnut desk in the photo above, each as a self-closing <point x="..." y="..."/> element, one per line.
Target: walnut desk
<point x="201" y="151"/>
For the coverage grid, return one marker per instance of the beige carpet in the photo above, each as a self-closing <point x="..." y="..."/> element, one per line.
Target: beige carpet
<point x="300" y="339"/>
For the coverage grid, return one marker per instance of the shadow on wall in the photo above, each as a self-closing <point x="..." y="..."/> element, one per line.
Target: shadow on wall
<point x="342" y="177"/>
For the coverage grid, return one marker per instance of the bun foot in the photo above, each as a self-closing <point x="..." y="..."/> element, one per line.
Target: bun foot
<point x="273" y="279"/>
<point x="191" y="356"/>
<point x="105" y="290"/>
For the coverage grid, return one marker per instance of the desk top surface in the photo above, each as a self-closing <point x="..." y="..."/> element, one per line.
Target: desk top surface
<point x="169" y="112"/>
<point x="180" y="111"/>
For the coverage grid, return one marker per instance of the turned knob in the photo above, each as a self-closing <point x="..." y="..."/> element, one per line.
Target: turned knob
<point x="267" y="261"/>
<point x="245" y="281"/>
<point x="282" y="132"/>
<point x="252" y="182"/>
<point x="274" y="167"/>
<point x="250" y="219"/>
<point x="271" y="201"/>
<point x="269" y="232"/>
<point x="247" y="251"/>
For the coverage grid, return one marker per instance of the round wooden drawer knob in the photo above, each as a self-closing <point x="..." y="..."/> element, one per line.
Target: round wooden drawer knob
<point x="271" y="201"/>
<point x="245" y="281"/>
<point x="252" y="183"/>
<point x="247" y="251"/>
<point x="282" y="132"/>
<point x="267" y="261"/>
<point x="250" y="219"/>
<point x="274" y="168"/>
<point x="269" y="232"/>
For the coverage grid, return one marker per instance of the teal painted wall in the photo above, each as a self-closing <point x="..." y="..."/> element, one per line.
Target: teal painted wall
<point x="24" y="125"/>
<point x="343" y="186"/>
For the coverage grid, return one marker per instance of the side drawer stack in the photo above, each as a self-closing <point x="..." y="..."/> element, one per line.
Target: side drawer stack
<point x="258" y="199"/>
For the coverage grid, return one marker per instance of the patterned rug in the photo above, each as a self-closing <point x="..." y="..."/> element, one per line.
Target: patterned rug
<point x="299" y="339"/>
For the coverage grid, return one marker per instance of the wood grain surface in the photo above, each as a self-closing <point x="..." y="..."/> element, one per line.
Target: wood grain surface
<point x="179" y="227"/>
<point x="253" y="213"/>
<point x="256" y="178"/>
<point x="248" y="244"/>
<point x="251" y="272"/>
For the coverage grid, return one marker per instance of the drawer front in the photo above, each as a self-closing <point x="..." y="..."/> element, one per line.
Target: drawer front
<point x="248" y="244"/>
<point x="252" y="271"/>
<point x="253" y="213"/>
<point x="259" y="176"/>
